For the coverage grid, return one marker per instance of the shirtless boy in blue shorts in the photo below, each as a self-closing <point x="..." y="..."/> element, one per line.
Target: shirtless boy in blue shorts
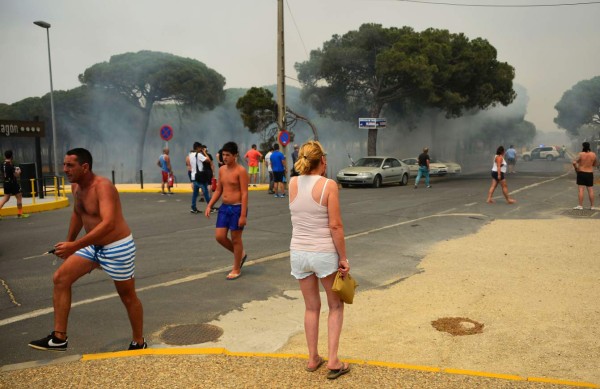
<point x="107" y="243"/>
<point x="233" y="185"/>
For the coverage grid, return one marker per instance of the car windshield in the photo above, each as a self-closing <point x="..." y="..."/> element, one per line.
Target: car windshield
<point x="369" y="162"/>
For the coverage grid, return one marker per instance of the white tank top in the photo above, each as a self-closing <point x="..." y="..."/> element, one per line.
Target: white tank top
<point x="502" y="167"/>
<point x="310" y="220"/>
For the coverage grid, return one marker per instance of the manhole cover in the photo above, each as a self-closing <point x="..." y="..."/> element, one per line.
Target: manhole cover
<point x="186" y="334"/>
<point x="457" y="326"/>
<point x="581" y="212"/>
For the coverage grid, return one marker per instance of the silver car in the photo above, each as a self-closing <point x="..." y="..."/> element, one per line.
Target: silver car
<point x="374" y="171"/>
<point x="435" y="168"/>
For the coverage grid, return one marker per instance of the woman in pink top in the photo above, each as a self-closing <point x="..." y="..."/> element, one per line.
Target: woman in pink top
<point x="318" y="251"/>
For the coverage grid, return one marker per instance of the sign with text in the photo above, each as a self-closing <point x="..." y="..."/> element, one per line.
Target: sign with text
<point x="21" y="128"/>
<point x="372" y="123"/>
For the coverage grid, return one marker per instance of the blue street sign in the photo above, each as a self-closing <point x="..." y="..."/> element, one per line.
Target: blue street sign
<point x="284" y="138"/>
<point x="372" y="123"/>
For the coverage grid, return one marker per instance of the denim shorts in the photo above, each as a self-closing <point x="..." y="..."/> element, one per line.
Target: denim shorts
<point x="305" y="263"/>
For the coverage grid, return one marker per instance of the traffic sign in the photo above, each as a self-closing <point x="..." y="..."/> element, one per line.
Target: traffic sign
<point x="166" y="132"/>
<point x="284" y="137"/>
<point x="372" y="123"/>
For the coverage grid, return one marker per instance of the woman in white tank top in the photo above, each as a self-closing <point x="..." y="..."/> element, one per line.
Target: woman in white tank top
<point x="498" y="171"/>
<point x="318" y="251"/>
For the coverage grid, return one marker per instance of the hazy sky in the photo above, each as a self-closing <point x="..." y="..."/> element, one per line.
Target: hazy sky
<point x="551" y="48"/>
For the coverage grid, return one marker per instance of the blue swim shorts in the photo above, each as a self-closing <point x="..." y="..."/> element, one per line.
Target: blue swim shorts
<point x="229" y="216"/>
<point x="116" y="259"/>
<point x="305" y="263"/>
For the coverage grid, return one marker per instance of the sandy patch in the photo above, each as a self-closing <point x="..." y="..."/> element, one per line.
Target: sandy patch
<point x="533" y="284"/>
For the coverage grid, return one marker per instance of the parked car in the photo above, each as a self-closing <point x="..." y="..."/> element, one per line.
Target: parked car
<point x="374" y="171"/>
<point x="453" y="167"/>
<point x="549" y="153"/>
<point x="435" y="168"/>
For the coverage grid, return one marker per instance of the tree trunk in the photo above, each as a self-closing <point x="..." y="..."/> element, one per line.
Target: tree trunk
<point x="372" y="142"/>
<point x="372" y="137"/>
<point x="142" y="140"/>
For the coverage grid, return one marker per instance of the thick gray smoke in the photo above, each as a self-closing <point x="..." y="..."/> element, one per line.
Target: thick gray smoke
<point x="468" y="140"/>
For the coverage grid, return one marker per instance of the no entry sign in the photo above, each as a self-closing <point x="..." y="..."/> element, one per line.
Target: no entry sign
<point x="166" y="132"/>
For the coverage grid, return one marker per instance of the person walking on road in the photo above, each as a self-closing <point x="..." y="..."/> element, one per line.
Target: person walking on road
<point x="423" y="168"/>
<point x="317" y="252"/>
<point x="10" y="179"/>
<point x="498" y="172"/>
<point x="253" y="157"/>
<point x="511" y="159"/>
<point x="270" y="170"/>
<point x="107" y="244"/>
<point x="279" y="166"/>
<point x="164" y="163"/>
<point x="233" y="186"/>
<point x="200" y="177"/>
<point x="584" y="166"/>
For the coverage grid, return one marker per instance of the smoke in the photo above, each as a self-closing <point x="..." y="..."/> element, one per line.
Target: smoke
<point x="109" y="126"/>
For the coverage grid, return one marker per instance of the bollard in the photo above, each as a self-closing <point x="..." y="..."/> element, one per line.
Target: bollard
<point x="32" y="190"/>
<point x="55" y="188"/>
<point x="63" y="186"/>
<point x="142" y="178"/>
<point x="113" y="176"/>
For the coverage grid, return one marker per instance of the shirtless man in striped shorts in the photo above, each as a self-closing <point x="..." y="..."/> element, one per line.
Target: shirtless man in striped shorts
<point x="107" y="244"/>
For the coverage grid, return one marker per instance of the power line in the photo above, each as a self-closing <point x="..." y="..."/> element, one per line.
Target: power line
<point x="297" y="29"/>
<point x="500" y="5"/>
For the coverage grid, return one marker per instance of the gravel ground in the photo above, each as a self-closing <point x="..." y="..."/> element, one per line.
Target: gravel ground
<point x="219" y="371"/>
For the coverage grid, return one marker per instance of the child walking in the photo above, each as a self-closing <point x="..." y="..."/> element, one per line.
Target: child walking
<point x="233" y="186"/>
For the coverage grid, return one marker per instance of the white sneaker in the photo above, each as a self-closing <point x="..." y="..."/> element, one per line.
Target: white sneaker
<point x="578" y="207"/>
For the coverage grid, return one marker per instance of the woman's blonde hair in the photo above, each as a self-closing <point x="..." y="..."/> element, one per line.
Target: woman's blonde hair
<point x="309" y="157"/>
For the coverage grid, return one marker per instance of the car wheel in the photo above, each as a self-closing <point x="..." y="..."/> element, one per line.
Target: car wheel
<point x="377" y="181"/>
<point x="526" y="158"/>
<point x="345" y="185"/>
<point x="404" y="180"/>
<point x="550" y="158"/>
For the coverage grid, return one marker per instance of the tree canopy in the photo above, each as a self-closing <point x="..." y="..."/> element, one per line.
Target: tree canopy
<point x="365" y="71"/>
<point x="147" y="77"/>
<point x="578" y="105"/>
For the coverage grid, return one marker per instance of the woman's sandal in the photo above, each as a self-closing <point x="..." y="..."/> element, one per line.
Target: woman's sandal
<point x="333" y="374"/>
<point x="313" y="369"/>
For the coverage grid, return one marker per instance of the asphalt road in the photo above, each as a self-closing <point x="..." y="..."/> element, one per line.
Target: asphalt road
<point x="180" y="269"/>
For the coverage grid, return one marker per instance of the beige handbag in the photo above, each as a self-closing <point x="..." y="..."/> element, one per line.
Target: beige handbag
<point x="344" y="287"/>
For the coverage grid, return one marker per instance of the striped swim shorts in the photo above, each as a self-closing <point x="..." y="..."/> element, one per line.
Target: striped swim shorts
<point x="116" y="259"/>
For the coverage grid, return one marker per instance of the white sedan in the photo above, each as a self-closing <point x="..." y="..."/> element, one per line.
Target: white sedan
<point x="435" y="168"/>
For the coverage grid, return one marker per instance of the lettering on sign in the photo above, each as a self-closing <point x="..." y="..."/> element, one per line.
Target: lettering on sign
<point x="19" y="128"/>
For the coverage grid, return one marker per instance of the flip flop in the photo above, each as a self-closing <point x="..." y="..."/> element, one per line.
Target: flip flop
<point x="243" y="260"/>
<point x="313" y="369"/>
<point x="231" y="277"/>
<point x="333" y="374"/>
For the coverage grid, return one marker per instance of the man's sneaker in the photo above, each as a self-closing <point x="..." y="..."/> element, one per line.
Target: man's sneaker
<point x="50" y="343"/>
<point x="276" y="195"/>
<point x="578" y="207"/>
<point x="429" y="186"/>
<point x="194" y="211"/>
<point x="134" y="346"/>
<point x="23" y="216"/>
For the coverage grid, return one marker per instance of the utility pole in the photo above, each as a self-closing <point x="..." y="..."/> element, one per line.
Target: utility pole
<point x="281" y="109"/>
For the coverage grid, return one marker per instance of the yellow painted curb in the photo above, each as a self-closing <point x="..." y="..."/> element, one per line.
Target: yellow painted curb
<point x="61" y="202"/>
<point x="484" y="374"/>
<point x="563" y="382"/>
<point x="391" y="365"/>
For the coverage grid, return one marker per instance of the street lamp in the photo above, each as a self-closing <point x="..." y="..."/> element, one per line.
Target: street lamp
<point x="47" y="27"/>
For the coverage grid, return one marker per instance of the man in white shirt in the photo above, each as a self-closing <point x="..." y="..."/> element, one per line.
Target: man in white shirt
<point x="196" y="158"/>
<point x="270" y="169"/>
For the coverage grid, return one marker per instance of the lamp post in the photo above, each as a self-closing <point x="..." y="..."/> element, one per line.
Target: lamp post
<point x="54" y="159"/>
